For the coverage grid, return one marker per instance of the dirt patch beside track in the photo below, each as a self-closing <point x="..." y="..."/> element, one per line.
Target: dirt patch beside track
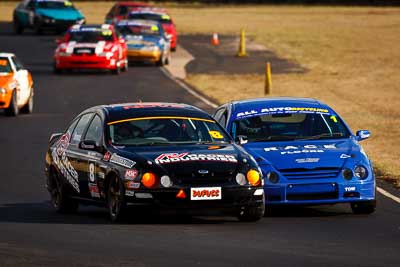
<point x="222" y="59"/>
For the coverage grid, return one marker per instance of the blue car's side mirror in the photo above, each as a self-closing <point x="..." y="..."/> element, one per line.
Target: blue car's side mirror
<point x="362" y="135"/>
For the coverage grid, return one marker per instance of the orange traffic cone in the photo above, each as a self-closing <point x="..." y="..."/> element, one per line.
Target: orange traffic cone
<point x="215" y="40"/>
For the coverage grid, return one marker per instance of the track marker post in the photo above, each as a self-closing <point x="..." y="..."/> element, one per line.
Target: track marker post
<point x="242" y="44"/>
<point x="215" y="39"/>
<point x="268" y="79"/>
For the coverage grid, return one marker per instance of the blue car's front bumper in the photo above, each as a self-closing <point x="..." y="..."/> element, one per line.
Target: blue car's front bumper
<point x="316" y="192"/>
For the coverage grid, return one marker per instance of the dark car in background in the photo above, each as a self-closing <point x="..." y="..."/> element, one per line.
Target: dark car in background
<point x="41" y="15"/>
<point x="161" y="155"/>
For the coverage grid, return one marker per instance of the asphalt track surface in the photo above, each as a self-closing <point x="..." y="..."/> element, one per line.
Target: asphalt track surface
<point x="32" y="234"/>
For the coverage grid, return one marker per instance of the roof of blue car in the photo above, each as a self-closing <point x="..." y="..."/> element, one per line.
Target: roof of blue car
<point x="278" y="101"/>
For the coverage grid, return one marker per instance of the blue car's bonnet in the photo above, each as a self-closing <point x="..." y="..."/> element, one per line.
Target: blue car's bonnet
<point x="303" y="154"/>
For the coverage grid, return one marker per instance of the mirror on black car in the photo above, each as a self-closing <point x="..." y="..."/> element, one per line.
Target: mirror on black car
<point x="241" y="139"/>
<point x="363" y="134"/>
<point x="90" y="145"/>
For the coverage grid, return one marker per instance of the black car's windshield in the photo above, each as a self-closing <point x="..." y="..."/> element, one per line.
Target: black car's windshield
<point x="162" y="18"/>
<point x="153" y="30"/>
<point x="285" y="127"/>
<point x="166" y="131"/>
<point x="5" y="66"/>
<point x="91" y="36"/>
<point x="54" y="4"/>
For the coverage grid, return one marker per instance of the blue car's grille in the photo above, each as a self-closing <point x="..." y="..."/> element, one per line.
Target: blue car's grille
<point x="317" y="173"/>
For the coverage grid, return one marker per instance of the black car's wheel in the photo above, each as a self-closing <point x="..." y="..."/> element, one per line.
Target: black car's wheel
<point x="28" y="108"/>
<point x="12" y="110"/>
<point x="364" y="207"/>
<point x="38" y="28"/>
<point x="60" y="200"/>
<point x="251" y="214"/>
<point x="18" y="29"/>
<point x="115" y="199"/>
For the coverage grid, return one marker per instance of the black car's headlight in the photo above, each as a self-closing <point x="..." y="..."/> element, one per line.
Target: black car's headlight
<point x="166" y="181"/>
<point x="46" y="19"/>
<point x="360" y="172"/>
<point x="252" y="177"/>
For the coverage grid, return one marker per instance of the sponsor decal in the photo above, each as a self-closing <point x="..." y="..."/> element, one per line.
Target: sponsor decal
<point x="101" y="175"/>
<point x="129" y="193"/>
<point x="182" y="157"/>
<point x="345" y="156"/>
<point x="94" y="190"/>
<point x="153" y="105"/>
<point x="307" y="160"/>
<point x="283" y="110"/>
<point x="63" y="143"/>
<point x="350" y="188"/>
<point x="124" y="162"/>
<point x="205" y="193"/>
<point x="107" y="156"/>
<point x="131" y="174"/>
<point x="66" y="169"/>
<point x="132" y="185"/>
<point x="288" y="150"/>
<point x="216" y="134"/>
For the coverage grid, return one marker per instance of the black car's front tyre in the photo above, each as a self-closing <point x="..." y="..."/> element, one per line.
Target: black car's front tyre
<point x="115" y="199"/>
<point x="364" y="207"/>
<point x="59" y="198"/>
<point x="251" y="213"/>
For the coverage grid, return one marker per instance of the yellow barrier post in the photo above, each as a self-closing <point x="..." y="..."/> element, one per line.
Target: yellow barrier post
<point x="242" y="44"/>
<point x="268" y="80"/>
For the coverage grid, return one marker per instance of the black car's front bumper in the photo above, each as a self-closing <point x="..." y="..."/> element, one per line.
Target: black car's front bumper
<point x="233" y="200"/>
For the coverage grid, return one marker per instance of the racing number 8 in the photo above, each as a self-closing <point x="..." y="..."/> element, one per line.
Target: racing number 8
<point x="91" y="172"/>
<point x="216" y="134"/>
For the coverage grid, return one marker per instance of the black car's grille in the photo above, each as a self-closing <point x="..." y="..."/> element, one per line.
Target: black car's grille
<point x="212" y="178"/>
<point x="317" y="173"/>
<point x="84" y="50"/>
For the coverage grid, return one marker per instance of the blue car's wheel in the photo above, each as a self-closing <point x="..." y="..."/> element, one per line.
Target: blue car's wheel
<point x="364" y="207"/>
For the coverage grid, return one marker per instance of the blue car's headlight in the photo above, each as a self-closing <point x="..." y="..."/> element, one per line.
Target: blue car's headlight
<point x="360" y="172"/>
<point x="347" y="174"/>
<point x="273" y="177"/>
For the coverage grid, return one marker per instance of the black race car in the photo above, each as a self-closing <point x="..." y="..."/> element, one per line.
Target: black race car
<point x="170" y="156"/>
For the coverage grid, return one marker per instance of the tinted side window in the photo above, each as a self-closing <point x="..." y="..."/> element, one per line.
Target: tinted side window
<point x="95" y="130"/>
<point x="80" y="128"/>
<point x="17" y="63"/>
<point x="72" y="126"/>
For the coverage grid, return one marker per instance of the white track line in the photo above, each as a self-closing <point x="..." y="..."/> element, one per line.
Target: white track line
<point x="387" y="194"/>
<point x="213" y="105"/>
<point x="189" y="90"/>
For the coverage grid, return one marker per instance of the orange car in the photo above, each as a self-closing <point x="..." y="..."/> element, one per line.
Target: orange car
<point x="16" y="91"/>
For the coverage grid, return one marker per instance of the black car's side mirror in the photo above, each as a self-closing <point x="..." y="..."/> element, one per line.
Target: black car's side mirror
<point x="90" y="145"/>
<point x="241" y="139"/>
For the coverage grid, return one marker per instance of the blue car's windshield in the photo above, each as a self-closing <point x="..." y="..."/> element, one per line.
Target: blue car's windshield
<point x="54" y="4"/>
<point x="162" y="18"/>
<point x="284" y="127"/>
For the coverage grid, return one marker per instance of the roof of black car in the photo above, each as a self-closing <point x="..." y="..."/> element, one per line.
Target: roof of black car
<point x="136" y="110"/>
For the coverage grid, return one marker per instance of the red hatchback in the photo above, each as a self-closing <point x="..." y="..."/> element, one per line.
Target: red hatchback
<point x="121" y="9"/>
<point x="161" y="16"/>
<point x="91" y="47"/>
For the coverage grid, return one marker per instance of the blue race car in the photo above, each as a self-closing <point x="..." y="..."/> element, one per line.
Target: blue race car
<point x="39" y="15"/>
<point x="307" y="153"/>
<point x="146" y="41"/>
